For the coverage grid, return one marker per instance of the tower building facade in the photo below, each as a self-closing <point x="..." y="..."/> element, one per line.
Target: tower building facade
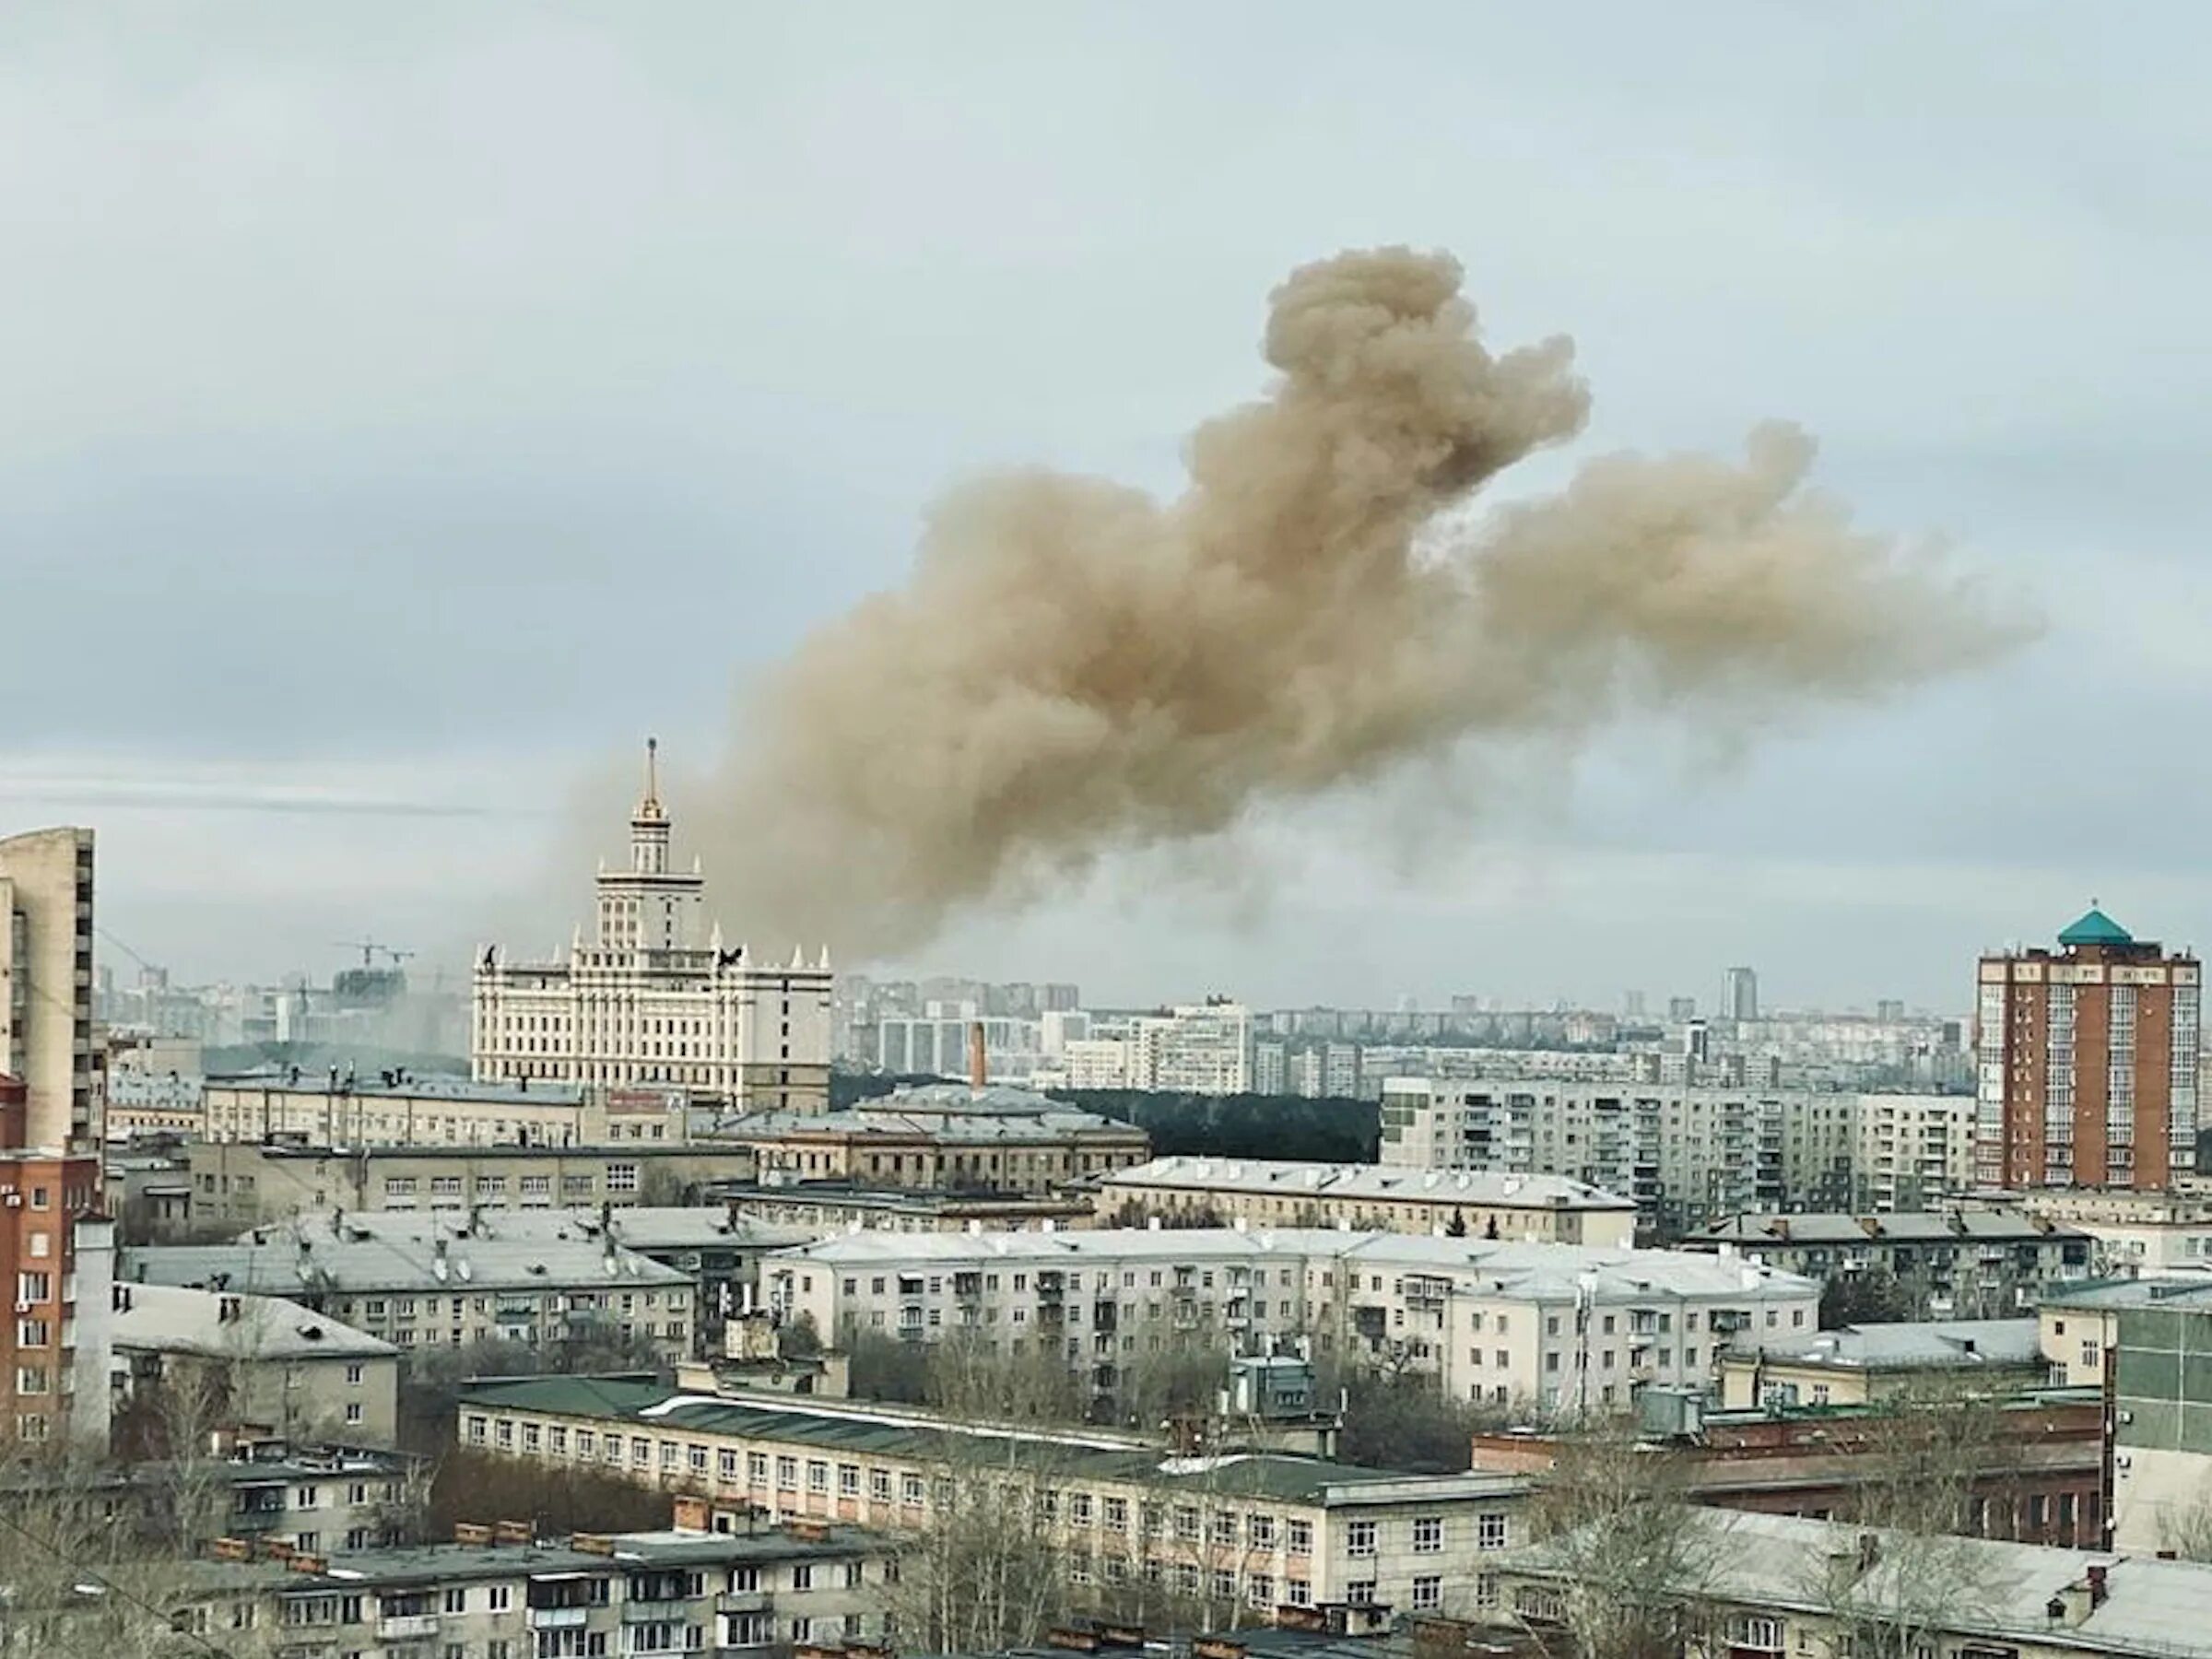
<point x="646" y="1003"/>
<point x="46" y="984"/>
<point x="2086" y="1060"/>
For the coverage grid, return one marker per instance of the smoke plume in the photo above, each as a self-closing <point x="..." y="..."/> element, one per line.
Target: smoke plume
<point x="1075" y="667"/>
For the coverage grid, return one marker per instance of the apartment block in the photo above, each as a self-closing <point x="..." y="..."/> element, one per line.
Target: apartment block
<point x="2087" y="1062"/>
<point x="46" y="986"/>
<point x="433" y="1293"/>
<point x="1911" y="1151"/>
<point x="1862" y="1364"/>
<point x="1184" y="1191"/>
<point x="496" y="1592"/>
<point x="827" y="1206"/>
<point x="1688" y="1153"/>
<point x="1956" y="1265"/>
<point x="281" y="1371"/>
<point x="1279" y="1530"/>
<point x="1553" y="1328"/>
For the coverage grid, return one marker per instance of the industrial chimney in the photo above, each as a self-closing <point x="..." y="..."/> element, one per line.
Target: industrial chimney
<point x="978" y="1067"/>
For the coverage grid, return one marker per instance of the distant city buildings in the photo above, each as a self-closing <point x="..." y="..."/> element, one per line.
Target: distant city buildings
<point x="1739" y="996"/>
<point x="2088" y="1061"/>
<point x="648" y="1003"/>
<point x="46" y="984"/>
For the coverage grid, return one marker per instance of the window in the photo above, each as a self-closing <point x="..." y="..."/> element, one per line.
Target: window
<point x="848" y="1480"/>
<point x="1428" y="1593"/>
<point x="1760" y="1632"/>
<point x="1489" y="1531"/>
<point x="456" y="1601"/>
<point x="1359" y="1538"/>
<point x="1428" y="1535"/>
<point x="880" y="1485"/>
<point x="1187" y="1522"/>
<point x="1224" y="1527"/>
<point x="1301" y="1542"/>
<point x="498" y="1598"/>
<point x="1262" y="1531"/>
<point x="1259" y="1591"/>
<point x="1114" y="1513"/>
<point x="1079" y="1508"/>
<point x="622" y="1178"/>
<point x="802" y="1576"/>
<point x="756" y="1468"/>
<point x="354" y="1415"/>
<point x="910" y="1488"/>
<point x="1298" y="1593"/>
<point x="354" y="1373"/>
<point x="787" y="1473"/>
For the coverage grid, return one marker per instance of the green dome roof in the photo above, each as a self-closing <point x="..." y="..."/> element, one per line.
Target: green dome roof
<point x="2096" y="928"/>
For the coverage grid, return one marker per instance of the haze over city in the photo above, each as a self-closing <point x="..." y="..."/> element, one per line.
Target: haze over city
<point x="519" y="381"/>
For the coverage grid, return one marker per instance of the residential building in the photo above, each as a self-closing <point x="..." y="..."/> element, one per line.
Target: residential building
<point x="2087" y="1062"/>
<point x="2038" y="1475"/>
<point x="433" y="1292"/>
<point x="648" y="1003"/>
<point x="827" y="1206"/>
<point x="937" y="1043"/>
<point x="1863" y="1365"/>
<point x="305" y="1496"/>
<point x="1278" y="1192"/>
<point x="2019" y="1601"/>
<point x="1959" y="1264"/>
<point x="944" y="1137"/>
<point x="1552" y="1327"/>
<point x="2137" y="1235"/>
<point x="1687" y="1152"/>
<point x="247" y="1184"/>
<point x="496" y="1592"/>
<point x="1287" y="1530"/>
<point x="1913" y="1152"/>
<point x="46" y="985"/>
<point x="1200" y="1048"/>
<point x="279" y="1369"/>
<point x="717" y="1248"/>
<point x="1270" y="1067"/>
<point x="57" y="1260"/>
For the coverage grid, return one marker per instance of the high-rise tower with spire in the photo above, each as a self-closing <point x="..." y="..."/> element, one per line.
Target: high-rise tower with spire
<point x="647" y="1004"/>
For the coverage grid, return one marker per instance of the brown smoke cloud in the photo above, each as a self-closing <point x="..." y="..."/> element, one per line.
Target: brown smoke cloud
<point x="1075" y="667"/>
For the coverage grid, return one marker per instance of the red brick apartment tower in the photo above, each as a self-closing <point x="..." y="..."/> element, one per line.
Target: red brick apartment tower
<point x="2086" y="1060"/>
<point x="49" y="1210"/>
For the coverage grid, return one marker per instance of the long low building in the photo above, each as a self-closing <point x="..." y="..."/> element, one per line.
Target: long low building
<point x="1285" y="1530"/>
<point x="245" y="1184"/>
<point x="944" y="1137"/>
<point x="669" y="1592"/>
<point x="1554" y="1327"/>
<point x="1481" y="1203"/>
<point x="428" y="1292"/>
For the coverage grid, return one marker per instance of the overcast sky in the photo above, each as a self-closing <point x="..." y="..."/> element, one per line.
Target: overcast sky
<point x="408" y="406"/>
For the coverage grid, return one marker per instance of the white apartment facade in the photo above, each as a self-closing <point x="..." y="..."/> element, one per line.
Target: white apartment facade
<point x="1689" y="1153"/>
<point x="1557" y="1329"/>
<point x="646" y="1003"/>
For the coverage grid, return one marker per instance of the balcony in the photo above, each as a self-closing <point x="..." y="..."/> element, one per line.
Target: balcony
<point x="559" y="1618"/>
<point x="743" y="1601"/>
<point x="406" y="1626"/>
<point x="666" y="1609"/>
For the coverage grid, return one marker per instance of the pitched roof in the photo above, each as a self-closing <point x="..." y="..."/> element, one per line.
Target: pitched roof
<point x="2094" y="927"/>
<point x="286" y="1266"/>
<point x="172" y="1319"/>
<point x="1918" y="1345"/>
<point x="1290" y="1179"/>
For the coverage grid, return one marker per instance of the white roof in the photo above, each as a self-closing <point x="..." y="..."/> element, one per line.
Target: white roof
<point x="1476" y="1267"/>
<point x="1286" y="1178"/>
<point x="644" y="1227"/>
<point x="287" y="1265"/>
<point x="171" y="1319"/>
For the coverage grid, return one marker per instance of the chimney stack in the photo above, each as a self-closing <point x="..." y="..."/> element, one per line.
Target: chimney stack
<point x="978" y="1066"/>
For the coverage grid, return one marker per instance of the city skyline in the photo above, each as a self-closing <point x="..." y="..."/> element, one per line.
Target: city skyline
<point x="394" y="426"/>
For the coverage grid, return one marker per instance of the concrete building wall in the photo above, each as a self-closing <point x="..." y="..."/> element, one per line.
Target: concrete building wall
<point x="46" y="983"/>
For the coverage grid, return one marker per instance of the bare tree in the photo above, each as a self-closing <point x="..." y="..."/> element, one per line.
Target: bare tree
<point x="1634" y="1556"/>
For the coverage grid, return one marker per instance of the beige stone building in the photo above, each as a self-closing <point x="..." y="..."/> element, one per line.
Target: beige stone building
<point x="46" y="984"/>
<point x="1554" y="1209"/>
<point x="1914" y="1151"/>
<point x="244" y="1184"/>
<point x="1861" y="1365"/>
<point x="269" y="1365"/>
<point x="829" y="1206"/>
<point x="655" y="999"/>
<point x="944" y="1137"/>
<point x="399" y="1110"/>
<point x="1255" y="1529"/>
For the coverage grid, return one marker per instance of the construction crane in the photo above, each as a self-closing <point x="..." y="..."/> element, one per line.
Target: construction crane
<point x="369" y="949"/>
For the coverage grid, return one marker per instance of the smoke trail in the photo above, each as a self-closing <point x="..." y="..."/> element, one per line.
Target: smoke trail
<point x="1075" y="667"/>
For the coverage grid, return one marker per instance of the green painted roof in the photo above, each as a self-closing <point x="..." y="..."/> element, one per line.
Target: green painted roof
<point x="2096" y="928"/>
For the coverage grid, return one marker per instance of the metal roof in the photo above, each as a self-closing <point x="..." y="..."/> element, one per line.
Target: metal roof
<point x="2094" y="927"/>
<point x="285" y="1265"/>
<point x="1771" y="1232"/>
<point x="1908" y="1346"/>
<point x="172" y="1319"/>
